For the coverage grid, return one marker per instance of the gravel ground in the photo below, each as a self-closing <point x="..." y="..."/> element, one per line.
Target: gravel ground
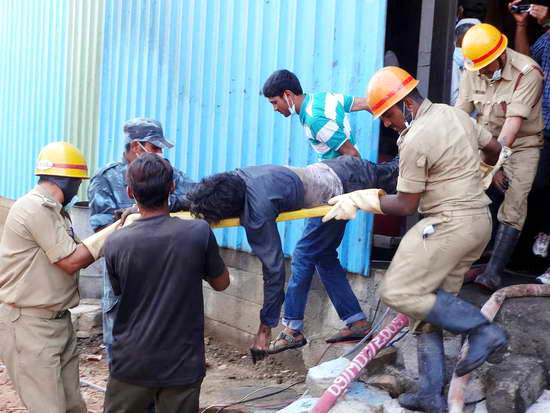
<point x="230" y="376"/>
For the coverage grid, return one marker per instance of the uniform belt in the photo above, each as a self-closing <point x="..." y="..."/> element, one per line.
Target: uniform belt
<point x="460" y="212"/>
<point x="41" y="312"/>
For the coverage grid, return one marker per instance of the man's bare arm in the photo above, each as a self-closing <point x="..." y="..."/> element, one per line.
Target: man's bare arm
<point x="80" y="258"/>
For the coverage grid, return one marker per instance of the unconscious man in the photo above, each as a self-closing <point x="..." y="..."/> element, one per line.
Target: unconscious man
<point x="257" y="194"/>
<point x="156" y="266"/>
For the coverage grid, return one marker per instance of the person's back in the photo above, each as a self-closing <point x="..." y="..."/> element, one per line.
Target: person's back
<point x="160" y="284"/>
<point x="156" y="266"/>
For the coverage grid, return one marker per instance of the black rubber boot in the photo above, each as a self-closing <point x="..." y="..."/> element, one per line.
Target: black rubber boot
<point x="505" y="242"/>
<point x="431" y="376"/>
<point x="460" y="317"/>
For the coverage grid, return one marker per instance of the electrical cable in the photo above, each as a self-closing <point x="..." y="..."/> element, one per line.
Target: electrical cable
<point x="260" y="397"/>
<point x="366" y="338"/>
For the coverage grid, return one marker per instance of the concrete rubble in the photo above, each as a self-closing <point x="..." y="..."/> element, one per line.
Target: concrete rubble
<point x="87" y="318"/>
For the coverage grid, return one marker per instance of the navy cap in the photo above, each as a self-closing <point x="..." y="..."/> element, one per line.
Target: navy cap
<point x="146" y="130"/>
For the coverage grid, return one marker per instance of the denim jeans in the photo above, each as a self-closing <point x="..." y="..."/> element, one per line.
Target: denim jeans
<point x="316" y="250"/>
<point x="109" y="307"/>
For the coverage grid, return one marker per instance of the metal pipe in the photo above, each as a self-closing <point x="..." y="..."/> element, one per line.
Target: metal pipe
<point x="341" y="383"/>
<point x="489" y="310"/>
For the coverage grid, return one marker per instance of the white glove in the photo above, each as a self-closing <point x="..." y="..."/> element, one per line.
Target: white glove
<point x="488" y="171"/>
<point x="346" y="205"/>
<point x="94" y="243"/>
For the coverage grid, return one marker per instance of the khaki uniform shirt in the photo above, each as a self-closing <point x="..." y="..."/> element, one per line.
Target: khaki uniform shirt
<point x="518" y="93"/>
<point x="439" y="158"/>
<point x="36" y="235"/>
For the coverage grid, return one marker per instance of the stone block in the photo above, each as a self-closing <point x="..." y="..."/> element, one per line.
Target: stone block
<point x="302" y="405"/>
<point x="392" y="406"/>
<point x="366" y="395"/>
<point x="319" y="378"/>
<point x="542" y="405"/>
<point x="237" y="312"/>
<point x="514" y="385"/>
<point x="90" y="320"/>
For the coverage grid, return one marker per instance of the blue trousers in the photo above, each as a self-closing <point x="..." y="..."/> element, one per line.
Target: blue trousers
<point x="316" y="250"/>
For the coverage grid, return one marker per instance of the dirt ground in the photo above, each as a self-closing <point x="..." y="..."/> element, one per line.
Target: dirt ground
<point x="230" y="376"/>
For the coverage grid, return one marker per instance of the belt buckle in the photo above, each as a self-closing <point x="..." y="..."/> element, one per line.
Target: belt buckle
<point x="59" y="314"/>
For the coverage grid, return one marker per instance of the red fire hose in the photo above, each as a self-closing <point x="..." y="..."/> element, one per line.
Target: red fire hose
<point x="341" y="383"/>
<point x="489" y="310"/>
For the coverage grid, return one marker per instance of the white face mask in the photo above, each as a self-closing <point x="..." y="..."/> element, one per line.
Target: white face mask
<point x="408" y="119"/>
<point x="497" y="75"/>
<point x="291" y="108"/>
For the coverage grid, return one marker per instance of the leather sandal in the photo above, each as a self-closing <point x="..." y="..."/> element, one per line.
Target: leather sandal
<point x="291" y="342"/>
<point x="355" y="333"/>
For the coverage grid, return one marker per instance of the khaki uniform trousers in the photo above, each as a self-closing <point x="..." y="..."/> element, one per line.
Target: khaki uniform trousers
<point x="426" y="261"/>
<point x="42" y="361"/>
<point x="520" y="170"/>
<point x="122" y="397"/>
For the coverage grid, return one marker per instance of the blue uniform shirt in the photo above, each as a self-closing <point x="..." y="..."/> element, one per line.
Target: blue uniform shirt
<point x="107" y="193"/>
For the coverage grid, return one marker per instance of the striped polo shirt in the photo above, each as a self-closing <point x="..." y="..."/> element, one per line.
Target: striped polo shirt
<point x="326" y="122"/>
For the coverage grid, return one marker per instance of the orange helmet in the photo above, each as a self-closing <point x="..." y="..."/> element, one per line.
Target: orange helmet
<point x="387" y="87"/>
<point x="482" y="45"/>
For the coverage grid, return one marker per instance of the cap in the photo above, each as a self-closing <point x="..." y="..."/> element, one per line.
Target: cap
<point x="146" y="130"/>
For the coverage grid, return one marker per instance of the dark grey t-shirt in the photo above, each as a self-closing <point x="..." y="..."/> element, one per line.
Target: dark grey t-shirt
<point x="156" y="267"/>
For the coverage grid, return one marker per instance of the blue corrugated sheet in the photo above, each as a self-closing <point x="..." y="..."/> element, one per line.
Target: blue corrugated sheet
<point x="198" y="66"/>
<point x="32" y="86"/>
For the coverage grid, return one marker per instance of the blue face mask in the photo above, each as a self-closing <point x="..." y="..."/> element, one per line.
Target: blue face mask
<point x="458" y="57"/>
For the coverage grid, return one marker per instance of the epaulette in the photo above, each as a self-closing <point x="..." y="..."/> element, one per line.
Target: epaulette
<point x="108" y="167"/>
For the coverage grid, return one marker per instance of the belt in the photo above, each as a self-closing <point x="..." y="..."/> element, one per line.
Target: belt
<point x="460" y="212"/>
<point x="41" y="312"/>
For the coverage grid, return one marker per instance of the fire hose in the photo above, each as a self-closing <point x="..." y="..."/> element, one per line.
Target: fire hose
<point x="359" y="362"/>
<point x="489" y="310"/>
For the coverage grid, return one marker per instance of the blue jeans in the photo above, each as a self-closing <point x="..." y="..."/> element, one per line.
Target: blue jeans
<point x="317" y="250"/>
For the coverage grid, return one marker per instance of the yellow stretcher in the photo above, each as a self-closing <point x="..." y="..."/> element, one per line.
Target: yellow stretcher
<point x="284" y="216"/>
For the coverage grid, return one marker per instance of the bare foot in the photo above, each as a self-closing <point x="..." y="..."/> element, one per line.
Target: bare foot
<point x="262" y="339"/>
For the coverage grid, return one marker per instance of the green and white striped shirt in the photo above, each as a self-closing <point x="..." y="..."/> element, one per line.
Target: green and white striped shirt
<point x="326" y="123"/>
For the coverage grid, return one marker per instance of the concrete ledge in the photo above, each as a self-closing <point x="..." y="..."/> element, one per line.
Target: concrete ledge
<point x="233" y="315"/>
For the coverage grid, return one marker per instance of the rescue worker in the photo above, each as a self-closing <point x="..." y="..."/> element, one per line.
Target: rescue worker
<point x="39" y="262"/>
<point x="108" y="194"/>
<point x="504" y="89"/>
<point x="439" y="174"/>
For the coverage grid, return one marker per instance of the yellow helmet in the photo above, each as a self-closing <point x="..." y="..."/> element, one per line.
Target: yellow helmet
<point x="61" y="159"/>
<point x="387" y="87"/>
<point x="482" y="45"/>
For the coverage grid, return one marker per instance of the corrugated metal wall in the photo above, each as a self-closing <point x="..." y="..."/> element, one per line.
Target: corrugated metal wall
<point x="32" y="86"/>
<point x="84" y="52"/>
<point x="77" y="70"/>
<point x="198" y="66"/>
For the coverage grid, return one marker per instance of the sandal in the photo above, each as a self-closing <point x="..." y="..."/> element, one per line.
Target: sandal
<point x="352" y="333"/>
<point x="291" y="342"/>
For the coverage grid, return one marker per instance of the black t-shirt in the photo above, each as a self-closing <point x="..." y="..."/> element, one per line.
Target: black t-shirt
<point x="156" y="266"/>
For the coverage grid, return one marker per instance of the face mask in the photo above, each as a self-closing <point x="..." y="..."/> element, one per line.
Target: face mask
<point x="291" y="108"/>
<point x="407" y="115"/>
<point x="69" y="187"/>
<point x="458" y="58"/>
<point x="497" y="75"/>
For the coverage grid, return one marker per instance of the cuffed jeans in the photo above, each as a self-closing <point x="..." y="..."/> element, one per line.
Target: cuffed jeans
<point x="316" y="250"/>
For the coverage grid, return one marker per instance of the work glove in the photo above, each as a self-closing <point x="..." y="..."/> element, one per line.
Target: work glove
<point x="346" y="205"/>
<point x="94" y="243"/>
<point x="488" y="171"/>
